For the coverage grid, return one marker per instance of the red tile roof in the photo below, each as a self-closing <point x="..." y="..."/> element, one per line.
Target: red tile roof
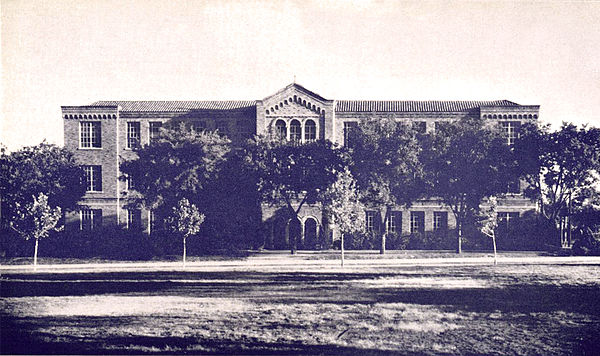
<point x="415" y="106"/>
<point x="178" y="106"/>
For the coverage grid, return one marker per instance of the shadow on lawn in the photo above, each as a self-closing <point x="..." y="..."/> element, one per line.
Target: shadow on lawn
<point x="301" y="287"/>
<point x="23" y="337"/>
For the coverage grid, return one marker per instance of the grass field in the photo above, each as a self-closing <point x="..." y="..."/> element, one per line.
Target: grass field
<point x="545" y="309"/>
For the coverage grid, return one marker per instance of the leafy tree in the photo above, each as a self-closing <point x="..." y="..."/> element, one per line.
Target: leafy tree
<point x="385" y="163"/>
<point x="489" y="222"/>
<point x="292" y="175"/>
<point x="466" y="161"/>
<point x="35" y="220"/>
<point x="342" y="202"/>
<point x="558" y="167"/>
<point x="182" y="163"/>
<point x="185" y="221"/>
<point x="44" y="168"/>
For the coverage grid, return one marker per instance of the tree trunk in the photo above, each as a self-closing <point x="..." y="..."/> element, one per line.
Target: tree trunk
<point x="459" y="233"/>
<point x="342" y="248"/>
<point x="384" y="235"/>
<point x="184" y="252"/>
<point x="293" y="246"/>
<point x="35" y="250"/>
<point x="494" y="242"/>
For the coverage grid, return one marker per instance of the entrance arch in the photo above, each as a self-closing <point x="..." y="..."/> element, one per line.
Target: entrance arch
<point x="310" y="233"/>
<point x="295" y="232"/>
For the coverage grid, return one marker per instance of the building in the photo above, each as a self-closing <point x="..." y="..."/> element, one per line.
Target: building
<point x="104" y="133"/>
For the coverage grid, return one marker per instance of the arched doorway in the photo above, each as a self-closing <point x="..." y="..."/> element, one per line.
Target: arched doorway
<point x="295" y="232"/>
<point x="310" y="233"/>
<point x="280" y="236"/>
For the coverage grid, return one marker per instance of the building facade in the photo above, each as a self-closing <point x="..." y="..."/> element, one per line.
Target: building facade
<point x="105" y="133"/>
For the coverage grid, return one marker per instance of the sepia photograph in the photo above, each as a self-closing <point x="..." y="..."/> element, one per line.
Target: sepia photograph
<point x="300" y="177"/>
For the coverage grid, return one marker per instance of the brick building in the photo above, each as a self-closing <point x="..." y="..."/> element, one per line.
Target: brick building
<point x="104" y="133"/>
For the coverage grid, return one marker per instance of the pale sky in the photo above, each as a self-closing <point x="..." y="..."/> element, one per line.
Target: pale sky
<point x="61" y="52"/>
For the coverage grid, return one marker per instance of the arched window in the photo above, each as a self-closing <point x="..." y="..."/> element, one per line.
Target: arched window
<point x="310" y="131"/>
<point x="295" y="131"/>
<point x="281" y="129"/>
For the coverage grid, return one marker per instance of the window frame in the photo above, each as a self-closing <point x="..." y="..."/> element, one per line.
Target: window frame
<point x="419" y="223"/>
<point x="440" y="225"/>
<point x="94" y="218"/>
<point x="153" y="131"/>
<point x="94" y="129"/>
<point x="91" y="178"/>
<point x="132" y="142"/>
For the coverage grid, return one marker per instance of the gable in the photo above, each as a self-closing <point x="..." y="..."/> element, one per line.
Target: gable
<point x="295" y="100"/>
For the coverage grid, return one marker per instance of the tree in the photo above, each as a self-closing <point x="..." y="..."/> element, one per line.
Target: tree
<point x="385" y="163"/>
<point x="35" y="220"/>
<point x="342" y="203"/>
<point x="185" y="221"/>
<point x="182" y="163"/>
<point x="466" y="161"/>
<point x="292" y="174"/>
<point x="488" y="222"/>
<point x="44" y="168"/>
<point x="558" y="167"/>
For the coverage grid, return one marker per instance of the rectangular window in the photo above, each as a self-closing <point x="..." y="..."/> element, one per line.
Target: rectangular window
<point x="133" y="134"/>
<point x="90" y="219"/>
<point x="370" y="221"/>
<point x="507" y="219"/>
<point x="134" y="219"/>
<point x="440" y="220"/>
<point x="129" y="183"/>
<point x="93" y="178"/>
<point x="394" y="222"/>
<point x="420" y="126"/>
<point x="510" y="130"/>
<point x="154" y="130"/>
<point x="349" y="127"/>
<point x="417" y="222"/>
<point x="90" y="134"/>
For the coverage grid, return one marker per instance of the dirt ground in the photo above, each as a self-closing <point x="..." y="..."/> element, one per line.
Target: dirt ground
<point x="542" y="309"/>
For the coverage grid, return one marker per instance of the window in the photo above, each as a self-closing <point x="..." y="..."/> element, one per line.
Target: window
<point x="134" y="219"/>
<point x="510" y="130"/>
<point x="507" y="219"/>
<point x="93" y="178"/>
<point x="394" y="222"/>
<point x="420" y="126"/>
<point x="90" y="134"/>
<point x="417" y="222"/>
<point x="439" y="125"/>
<point x="310" y="131"/>
<point x="370" y="221"/>
<point x="223" y="128"/>
<point x="440" y="220"/>
<point x="133" y="134"/>
<point x="281" y="129"/>
<point x="90" y="219"/>
<point x="154" y="130"/>
<point x="349" y="127"/>
<point x="129" y="183"/>
<point x="295" y="131"/>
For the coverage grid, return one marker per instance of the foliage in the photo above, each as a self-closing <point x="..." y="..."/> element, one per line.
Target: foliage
<point x="587" y="240"/>
<point x="292" y="175"/>
<point x="465" y="162"/>
<point x="185" y="219"/>
<point x="558" y="166"/>
<point x="44" y="168"/>
<point x="180" y="164"/>
<point x="342" y="202"/>
<point x="35" y="220"/>
<point x="385" y="163"/>
<point x="488" y="221"/>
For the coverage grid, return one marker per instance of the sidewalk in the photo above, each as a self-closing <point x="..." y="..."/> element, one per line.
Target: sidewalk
<point x="289" y="263"/>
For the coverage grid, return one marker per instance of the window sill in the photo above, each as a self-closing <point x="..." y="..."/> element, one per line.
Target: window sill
<point x="90" y="148"/>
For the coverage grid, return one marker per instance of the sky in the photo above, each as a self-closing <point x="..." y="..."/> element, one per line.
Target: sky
<point x="63" y="52"/>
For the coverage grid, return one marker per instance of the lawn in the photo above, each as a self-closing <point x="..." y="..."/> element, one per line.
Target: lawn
<point x="543" y="309"/>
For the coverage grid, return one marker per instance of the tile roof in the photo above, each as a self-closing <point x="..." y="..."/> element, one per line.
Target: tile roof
<point x="415" y="106"/>
<point x="178" y="106"/>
